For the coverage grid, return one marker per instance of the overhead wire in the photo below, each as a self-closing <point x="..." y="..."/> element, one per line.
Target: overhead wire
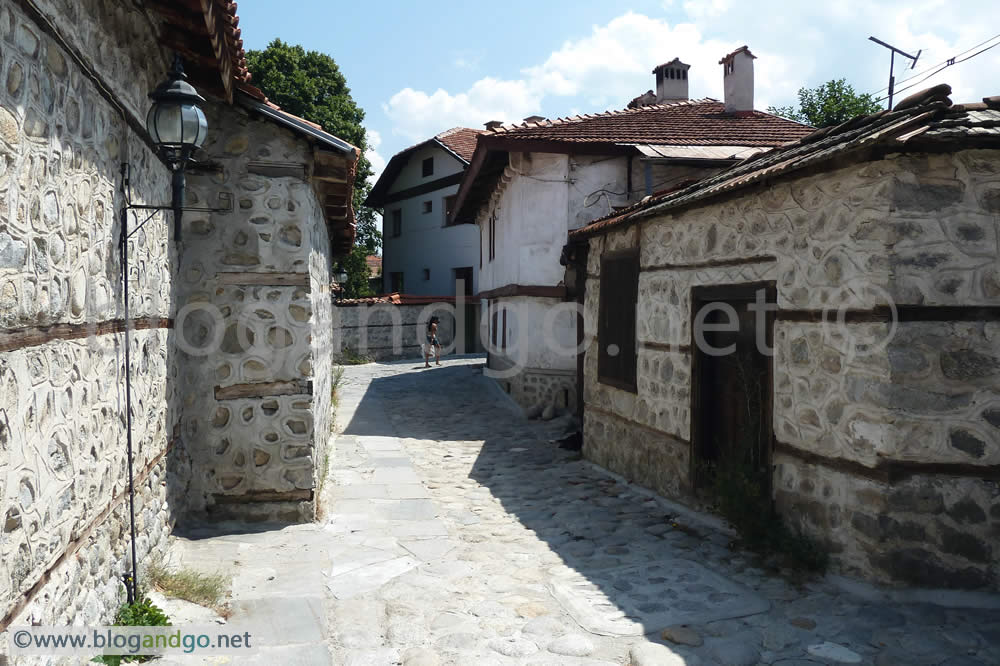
<point x="936" y="69"/>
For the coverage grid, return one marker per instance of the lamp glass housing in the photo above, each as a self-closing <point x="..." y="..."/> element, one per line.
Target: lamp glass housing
<point x="175" y="122"/>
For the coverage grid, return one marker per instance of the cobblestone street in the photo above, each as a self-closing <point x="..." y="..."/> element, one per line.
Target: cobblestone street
<point x="462" y="536"/>
<point x="455" y="533"/>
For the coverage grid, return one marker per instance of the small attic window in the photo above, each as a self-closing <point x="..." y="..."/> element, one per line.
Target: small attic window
<point x="427" y="167"/>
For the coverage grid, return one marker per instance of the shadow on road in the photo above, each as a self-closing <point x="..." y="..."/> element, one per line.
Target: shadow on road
<point x="628" y="570"/>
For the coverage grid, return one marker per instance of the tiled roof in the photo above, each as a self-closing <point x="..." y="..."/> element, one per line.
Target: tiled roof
<point x="460" y="140"/>
<point x="701" y="122"/>
<point x="395" y="298"/>
<point x="927" y="117"/>
<point x="374" y="264"/>
<point x="208" y="36"/>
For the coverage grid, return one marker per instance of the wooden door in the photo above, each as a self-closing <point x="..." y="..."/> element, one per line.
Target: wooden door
<point x="733" y="385"/>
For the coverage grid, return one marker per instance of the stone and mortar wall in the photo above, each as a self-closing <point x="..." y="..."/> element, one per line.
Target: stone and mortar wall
<point x="63" y="470"/>
<point x="256" y="282"/>
<point x="919" y="230"/>
<point x="387" y="332"/>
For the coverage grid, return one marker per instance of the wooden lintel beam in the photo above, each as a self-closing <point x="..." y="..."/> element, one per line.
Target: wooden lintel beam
<point x="263" y="389"/>
<point x="249" y="279"/>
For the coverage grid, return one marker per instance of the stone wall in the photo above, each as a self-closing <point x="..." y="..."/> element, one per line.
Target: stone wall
<point x="880" y="427"/>
<point x="255" y="289"/>
<point x="387" y="331"/>
<point x="63" y="472"/>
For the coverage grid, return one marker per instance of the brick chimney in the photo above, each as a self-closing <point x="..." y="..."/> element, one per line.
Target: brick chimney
<point x="671" y="81"/>
<point x="737" y="79"/>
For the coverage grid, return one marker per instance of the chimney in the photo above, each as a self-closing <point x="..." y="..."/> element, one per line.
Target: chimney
<point x="671" y="81"/>
<point x="737" y="80"/>
<point x="493" y="124"/>
<point x="534" y="119"/>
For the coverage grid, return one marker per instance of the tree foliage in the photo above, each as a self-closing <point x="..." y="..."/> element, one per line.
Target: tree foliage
<point x="832" y="103"/>
<point x="309" y="84"/>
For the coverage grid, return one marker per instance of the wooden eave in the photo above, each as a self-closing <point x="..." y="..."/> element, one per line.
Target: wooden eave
<point x="205" y="34"/>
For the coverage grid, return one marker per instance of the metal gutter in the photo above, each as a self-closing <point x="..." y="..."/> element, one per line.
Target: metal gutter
<point x="295" y="124"/>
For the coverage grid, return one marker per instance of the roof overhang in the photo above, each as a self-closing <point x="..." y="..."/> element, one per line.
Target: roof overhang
<point x="379" y="195"/>
<point x="492" y="157"/>
<point x="206" y="34"/>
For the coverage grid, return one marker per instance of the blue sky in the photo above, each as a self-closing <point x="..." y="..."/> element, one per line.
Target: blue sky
<point x="418" y="68"/>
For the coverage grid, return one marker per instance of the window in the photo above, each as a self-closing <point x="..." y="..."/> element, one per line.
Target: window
<point x="427" y="274"/>
<point x="504" y="337"/>
<point x="428" y="206"/>
<point x="397" y="223"/>
<point x="396" y="280"/>
<point x="616" y="360"/>
<point x="493" y="235"/>
<point x="449" y="206"/>
<point x="493" y="335"/>
<point x="427" y="167"/>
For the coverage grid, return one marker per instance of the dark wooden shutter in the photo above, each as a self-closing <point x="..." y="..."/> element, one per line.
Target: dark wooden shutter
<point x="494" y="325"/>
<point x="616" y="320"/>
<point x="504" y="329"/>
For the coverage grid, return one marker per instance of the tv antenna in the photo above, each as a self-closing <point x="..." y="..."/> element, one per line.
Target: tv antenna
<point x="892" y="62"/>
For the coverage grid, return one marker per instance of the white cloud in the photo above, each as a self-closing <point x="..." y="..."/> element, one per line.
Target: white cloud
<point x="611" y="66"/>
<point x="702" y="9"/>
<point x="467" y="60"/>
<point x="377" y="161"/>
<point x="797" y="46"/>
<point x="418" y="115"/>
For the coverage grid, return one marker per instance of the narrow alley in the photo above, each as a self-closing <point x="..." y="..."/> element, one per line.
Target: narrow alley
<point x="457" y="533"/>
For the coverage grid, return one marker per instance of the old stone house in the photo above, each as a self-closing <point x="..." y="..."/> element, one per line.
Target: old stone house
<point x="228" y="330"/>
<point x="866" y="256"/>
<point x="528" y="185"/>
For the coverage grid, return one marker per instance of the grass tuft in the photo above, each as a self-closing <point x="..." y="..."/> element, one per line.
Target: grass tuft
<point x="207" y="590"/>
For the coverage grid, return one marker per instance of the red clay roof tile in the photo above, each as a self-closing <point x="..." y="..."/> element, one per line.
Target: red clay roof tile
<point x="460" y="140"/>
<point x="701" y="122"/>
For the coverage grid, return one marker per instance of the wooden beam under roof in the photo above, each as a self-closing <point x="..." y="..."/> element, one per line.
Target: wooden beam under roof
<point x="220" y="45"/>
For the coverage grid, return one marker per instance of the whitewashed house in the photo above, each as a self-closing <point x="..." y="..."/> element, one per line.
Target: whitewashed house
<point x="528" y="185"/>
<point x="423" y="251"/>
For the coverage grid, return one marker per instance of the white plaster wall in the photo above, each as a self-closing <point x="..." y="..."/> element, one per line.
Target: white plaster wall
<point x="541" y="332"/>
<point x="599" y="183"/>
<point x="425" y="241"/>
<point x="530" y="207"/>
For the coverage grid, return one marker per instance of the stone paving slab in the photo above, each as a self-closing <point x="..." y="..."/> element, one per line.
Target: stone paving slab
<point x="515" y="521"/>
<point x="637" y="600"/>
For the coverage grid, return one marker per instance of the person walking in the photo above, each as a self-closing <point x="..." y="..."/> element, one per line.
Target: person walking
<point x="432" y="343"/>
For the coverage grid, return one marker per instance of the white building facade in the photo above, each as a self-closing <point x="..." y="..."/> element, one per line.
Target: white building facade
<point x="423" y="253"/>
<point x="528" y="185"/>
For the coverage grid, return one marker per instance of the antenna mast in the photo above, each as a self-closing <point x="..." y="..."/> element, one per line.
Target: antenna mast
<point x="892" y="62"/>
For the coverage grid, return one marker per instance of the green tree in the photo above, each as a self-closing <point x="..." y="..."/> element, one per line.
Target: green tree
<point x="832" y="103"/>
<point x="309" y="84"/>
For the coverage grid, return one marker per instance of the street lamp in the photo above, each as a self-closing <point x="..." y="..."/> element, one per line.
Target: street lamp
<point x="177" y="126"/>
<point x="340" y="279"/>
